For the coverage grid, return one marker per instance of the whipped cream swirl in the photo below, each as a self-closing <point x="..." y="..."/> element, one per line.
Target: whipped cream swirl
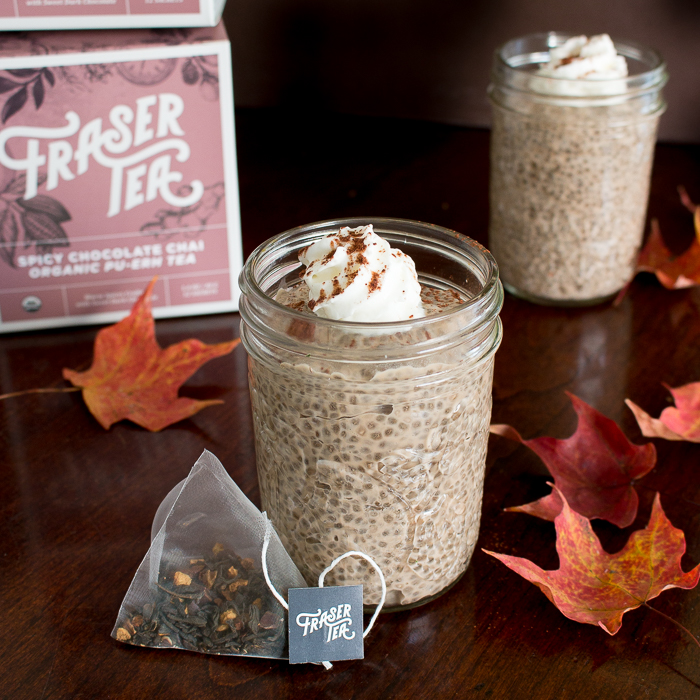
<point x="593" y="63"/>
<point x="355" y="275"/>
<point x="591" y="59"/>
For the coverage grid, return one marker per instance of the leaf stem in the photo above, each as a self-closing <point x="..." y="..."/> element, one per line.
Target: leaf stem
<point x="48" y="390"/>
<point x="675" y="622"/>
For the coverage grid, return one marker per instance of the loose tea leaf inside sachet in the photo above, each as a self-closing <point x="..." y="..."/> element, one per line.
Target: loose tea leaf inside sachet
<point x="200" y="587"/>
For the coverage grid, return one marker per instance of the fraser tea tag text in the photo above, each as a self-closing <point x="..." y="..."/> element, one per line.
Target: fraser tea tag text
<point x="325" y="624"/>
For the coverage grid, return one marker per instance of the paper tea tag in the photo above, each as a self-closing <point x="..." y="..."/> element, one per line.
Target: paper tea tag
<point x="325" y="624"/>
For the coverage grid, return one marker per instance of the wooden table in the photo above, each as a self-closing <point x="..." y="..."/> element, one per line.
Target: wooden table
<point x="78" y="501"/>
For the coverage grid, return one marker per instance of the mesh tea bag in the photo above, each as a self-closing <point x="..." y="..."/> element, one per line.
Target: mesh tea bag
<point x="200" y="586"/>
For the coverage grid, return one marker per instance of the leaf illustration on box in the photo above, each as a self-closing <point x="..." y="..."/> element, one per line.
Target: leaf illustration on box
<point x="11" y="230"/>
<point x="203" y="70"/>
<point x="82" y="78"/>
<point x="97" y="72"/>
<point x="22" y="83"/>
<point x="26" y="222"/>
<point x="192" y="218"/>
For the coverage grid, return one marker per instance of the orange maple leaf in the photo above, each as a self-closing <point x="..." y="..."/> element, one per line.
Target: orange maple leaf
<point x="598" y="588"/>
<point x="679" y="422"/>
<point x="133" y="377"/>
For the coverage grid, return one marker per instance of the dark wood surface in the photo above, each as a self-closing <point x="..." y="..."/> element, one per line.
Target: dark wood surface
<point x="77" y="501"/>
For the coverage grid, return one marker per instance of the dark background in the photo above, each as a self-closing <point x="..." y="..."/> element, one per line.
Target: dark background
<point x="430" y="59"/>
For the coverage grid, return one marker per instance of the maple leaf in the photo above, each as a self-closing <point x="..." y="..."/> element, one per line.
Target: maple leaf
<point x="598" y="588"/>
<point x="132" y="377"/>
<point x="674" y="272"/>
<point x="595" y="468"/>
<point x="679" y="422"/>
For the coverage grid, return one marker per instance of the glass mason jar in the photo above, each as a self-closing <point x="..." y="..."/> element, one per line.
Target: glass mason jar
<point x="570" y="170"/>
<point x="372" y="436"/>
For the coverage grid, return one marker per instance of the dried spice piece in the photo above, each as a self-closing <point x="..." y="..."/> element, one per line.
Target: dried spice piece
<point x="595" y="468"/>
<point x="132" y="377"/>
<point x="598" y="588"/>
<point x="208" y="577"/>
<point x="181" y="579"/>
<point x="679" y="422"/>
<point x="226" y="616"/>
<point x="184" y="614"/>
<point x="268" y="621"/>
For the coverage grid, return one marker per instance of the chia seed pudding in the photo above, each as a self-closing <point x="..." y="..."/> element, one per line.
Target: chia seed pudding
<point x="570" y="170"/>
<point x="372" y="436"/>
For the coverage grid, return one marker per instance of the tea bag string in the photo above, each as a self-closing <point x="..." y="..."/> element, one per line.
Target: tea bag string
<point x="321" y="578"/>
<point x="355" y="553"/>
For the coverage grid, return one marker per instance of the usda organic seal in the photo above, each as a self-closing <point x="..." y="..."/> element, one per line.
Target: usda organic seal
<point x="31" y="304"/>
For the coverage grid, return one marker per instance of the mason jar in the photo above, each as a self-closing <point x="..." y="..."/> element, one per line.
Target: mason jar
<point x="570" y="169"/>
<point x="372" y="436"/>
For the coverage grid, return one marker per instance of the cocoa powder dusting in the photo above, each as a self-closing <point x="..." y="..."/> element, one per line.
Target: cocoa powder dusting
<point x="355" y="246"/>
<point x="312" y="303"/>
<point x="350" y="277"/>
<point x="321" y="298"/>
<point x="353" y="239"/>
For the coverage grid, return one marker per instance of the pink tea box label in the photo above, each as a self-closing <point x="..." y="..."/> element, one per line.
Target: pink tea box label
<point x="29" y="15"/>
<point x="117" y="164"/>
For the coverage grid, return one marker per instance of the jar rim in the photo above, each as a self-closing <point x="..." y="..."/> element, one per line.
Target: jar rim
<point x="510" y="68"/>
<point x="462" y="263"/>
<point x="249" y="284"/>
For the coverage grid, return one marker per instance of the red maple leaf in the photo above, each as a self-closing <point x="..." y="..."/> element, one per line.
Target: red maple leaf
<point x="595" y="468"/>
<point x="132" y="377"/>
<point x="679" y="422"/>
<point x="674" y="272"/>
<point x="598" y="588"/>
